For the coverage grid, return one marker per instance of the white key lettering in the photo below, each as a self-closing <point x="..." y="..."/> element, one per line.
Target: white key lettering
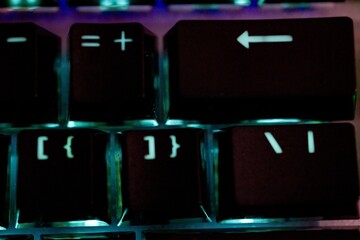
<point x="40" y="148"/>
<point x="311" y="142"/>
<point x="67" y="147"/>
<point x="274" y="144"/>
<point x="151" y="148"/>
<point x="175" y="146"/>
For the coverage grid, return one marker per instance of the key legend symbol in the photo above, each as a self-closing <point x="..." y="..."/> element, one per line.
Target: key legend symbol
<point x="16" y="39"/>
<point x="90" y="44"/>
<point x="244" y="39"/>
<point x="123" y="40"/>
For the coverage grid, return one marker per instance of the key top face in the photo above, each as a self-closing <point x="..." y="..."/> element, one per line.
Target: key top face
<point x="4" y="157"/>
<point x="162" y="174"/>
<point x="29" y="83"/>
<point x="288" y="171"/>
<point x="269" y="235"/>
<point x="112" y="72"/>
<point x="259" y="69"/>
<point x="111" y="3"/>
<point x="62" y="176"/>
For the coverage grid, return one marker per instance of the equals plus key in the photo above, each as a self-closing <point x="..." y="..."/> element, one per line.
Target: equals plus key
<point x="113" y="67"/>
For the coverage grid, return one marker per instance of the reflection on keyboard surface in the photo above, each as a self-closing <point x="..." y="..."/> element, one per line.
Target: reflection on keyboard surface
<point x="179" y="120"/>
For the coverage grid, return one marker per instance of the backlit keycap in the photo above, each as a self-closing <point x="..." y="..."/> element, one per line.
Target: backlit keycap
<point x="28" y="62"/>
<point x="62" y="176"/>
<point x="288" y="171"/>
<point x="255" y="69"/>
<point x="113" y="69"/>
<point x="162" y="175"/>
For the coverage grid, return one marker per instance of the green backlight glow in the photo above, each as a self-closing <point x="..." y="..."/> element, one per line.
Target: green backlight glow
<point x="242" y="2"/>
<point x="24" y="3"/>
<point x="114" y="3"/>
<point x="296" y="5"/>
<point x="277" y="120"/>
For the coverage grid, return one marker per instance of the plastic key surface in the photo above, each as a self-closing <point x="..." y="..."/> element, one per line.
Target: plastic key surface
<point x="62" y="176"/>
<point x="162" y="175"/>
<point x="257" y="235"/>
<point x="113" y="69"/>
<point x="261" y="69"/>
<point x="288" y="171"/>
<point x="29" y="84"/>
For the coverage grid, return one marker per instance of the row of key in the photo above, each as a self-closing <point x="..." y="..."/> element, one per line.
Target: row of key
<point x="263" y="171"/>
<point x="114" y="72"/>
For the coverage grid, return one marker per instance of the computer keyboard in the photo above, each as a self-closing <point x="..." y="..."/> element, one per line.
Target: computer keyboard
<point x="179" y="120"/>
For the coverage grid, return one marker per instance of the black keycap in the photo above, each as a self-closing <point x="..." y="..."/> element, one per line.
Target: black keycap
<point x="288" y="171"/>
<point x="112" y="72"/>
<point x="110" y="3"/>
<point x="108" y="236"/>
<point x="62" y="176"/>
<point x="4" y="159"/>
<point x="29" y="80"/>
<point x="162" y="175"/>
<point x="258" y="235"/>
<point x="256" y="69"/>
<point x="28" y="3"/>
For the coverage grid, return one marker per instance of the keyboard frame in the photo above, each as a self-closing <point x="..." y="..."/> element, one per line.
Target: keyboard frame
<point x="159" y="19"/>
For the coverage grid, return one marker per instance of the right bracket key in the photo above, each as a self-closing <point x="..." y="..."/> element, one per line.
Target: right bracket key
<point x="228" y="71"/>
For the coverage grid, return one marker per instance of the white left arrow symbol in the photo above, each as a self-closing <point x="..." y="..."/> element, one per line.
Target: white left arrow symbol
<point x="245" y="40"/>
